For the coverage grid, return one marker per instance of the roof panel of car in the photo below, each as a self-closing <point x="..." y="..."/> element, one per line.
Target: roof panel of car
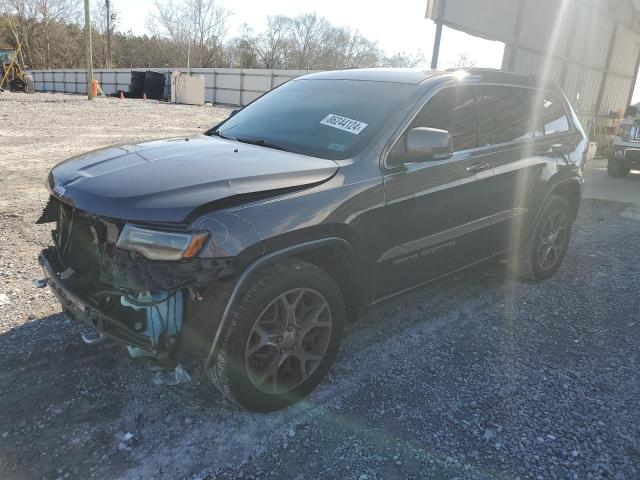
<point x="412" y="76"/>
<point x="415" y="76"/>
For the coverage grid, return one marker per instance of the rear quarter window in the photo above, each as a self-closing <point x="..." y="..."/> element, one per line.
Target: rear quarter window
<point x="508" y="114"/>
<point x="551" y="113"/>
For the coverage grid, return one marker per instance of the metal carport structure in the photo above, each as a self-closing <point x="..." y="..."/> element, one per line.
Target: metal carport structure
<point x="590" y="47"/>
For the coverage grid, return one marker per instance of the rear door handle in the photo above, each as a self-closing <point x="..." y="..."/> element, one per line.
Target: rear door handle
<point x="478" y="167"/>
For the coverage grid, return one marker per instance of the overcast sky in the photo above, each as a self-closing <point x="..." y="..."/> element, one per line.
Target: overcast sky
<point x="397" y="26"/>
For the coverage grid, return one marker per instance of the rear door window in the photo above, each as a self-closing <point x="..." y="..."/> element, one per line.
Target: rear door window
<point x="504" y="115"/>
<point x="509" y="114"/>
<point x="454" y="110"/>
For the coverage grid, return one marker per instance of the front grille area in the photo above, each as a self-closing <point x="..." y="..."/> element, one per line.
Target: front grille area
<point x="82" y="243"/>
<point x="76" y="244"/>
<point x="633" y="155"/>
<point x="87" y="257"/>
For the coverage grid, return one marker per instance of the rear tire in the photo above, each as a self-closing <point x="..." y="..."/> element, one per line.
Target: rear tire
<point x="616" y="168"/>
<point x="543" y="252"/>
<point x="283" y="336"/>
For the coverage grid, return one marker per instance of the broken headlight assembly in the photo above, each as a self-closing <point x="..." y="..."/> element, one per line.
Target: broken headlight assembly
<point x="161" y="245"/>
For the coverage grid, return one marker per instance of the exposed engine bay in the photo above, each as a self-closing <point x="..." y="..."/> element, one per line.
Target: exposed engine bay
<point x="121" y="293"/>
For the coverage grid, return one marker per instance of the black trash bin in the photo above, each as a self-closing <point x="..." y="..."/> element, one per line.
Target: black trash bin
<point x="136" y="88"/>
<point x="154" y="85"/>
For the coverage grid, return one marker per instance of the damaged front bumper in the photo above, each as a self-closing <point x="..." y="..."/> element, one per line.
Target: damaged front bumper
<point x="144" y="303"/>
<point x="83" y="310"/>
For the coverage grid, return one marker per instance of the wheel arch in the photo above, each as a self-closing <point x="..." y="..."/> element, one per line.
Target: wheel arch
<point x="571" y="190"/>
<point x="341" y="267"/>
<point x="338" y="261"/>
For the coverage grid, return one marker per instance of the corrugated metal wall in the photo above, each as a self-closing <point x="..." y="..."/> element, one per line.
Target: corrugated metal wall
<point x="582" y="87"/>
<point x="571" y="50"/>
<point x="232" y="86"/>
<point x="590" y="49"/>
<point x="537" y="26"/>
<point x="536" y="63"/>
<point x="624" y="59"/>
<point x="480" y="17"/>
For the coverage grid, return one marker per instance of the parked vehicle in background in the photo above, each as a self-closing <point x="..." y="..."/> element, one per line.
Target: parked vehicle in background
<point x="625" y="154"/>
<point x="251" y="245"/>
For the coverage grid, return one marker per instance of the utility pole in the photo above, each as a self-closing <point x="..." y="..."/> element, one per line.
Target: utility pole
<point x="108" y="5"/>
<point x="88" y="47"/>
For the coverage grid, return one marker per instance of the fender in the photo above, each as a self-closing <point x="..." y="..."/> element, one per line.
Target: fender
<point x="253" y="267"/>
<point x="554" y="189"/>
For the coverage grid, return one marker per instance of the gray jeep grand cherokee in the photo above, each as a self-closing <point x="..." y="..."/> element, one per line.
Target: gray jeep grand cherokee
<point x="251" y="245"/>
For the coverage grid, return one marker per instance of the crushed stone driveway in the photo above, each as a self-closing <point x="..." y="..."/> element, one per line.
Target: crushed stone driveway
<point x="476" y="377"/>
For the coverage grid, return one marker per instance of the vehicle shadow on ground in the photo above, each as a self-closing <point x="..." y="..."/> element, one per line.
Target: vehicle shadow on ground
<point x="432" y="299"/>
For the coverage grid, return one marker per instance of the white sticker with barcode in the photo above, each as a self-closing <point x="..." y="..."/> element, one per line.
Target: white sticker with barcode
<point x="344" y="123"/>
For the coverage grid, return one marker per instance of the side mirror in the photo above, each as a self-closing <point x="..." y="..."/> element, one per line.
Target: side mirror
<point x="428" y="144"/>
<point x="234" y="111"/>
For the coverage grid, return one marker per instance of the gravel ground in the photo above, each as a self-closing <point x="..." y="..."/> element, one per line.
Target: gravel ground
<point x="476" y="377"/>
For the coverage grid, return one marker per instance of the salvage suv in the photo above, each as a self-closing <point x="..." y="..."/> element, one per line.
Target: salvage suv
<point x="251" y="245"/>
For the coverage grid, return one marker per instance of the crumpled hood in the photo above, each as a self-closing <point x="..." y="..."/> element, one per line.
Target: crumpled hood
<point x="165" y="180"/>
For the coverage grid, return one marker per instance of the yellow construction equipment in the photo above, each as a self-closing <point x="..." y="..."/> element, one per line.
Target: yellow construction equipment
<point x="14" y="75"/>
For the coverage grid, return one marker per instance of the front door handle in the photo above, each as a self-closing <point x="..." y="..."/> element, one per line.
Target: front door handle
<point x="478" y="167"/>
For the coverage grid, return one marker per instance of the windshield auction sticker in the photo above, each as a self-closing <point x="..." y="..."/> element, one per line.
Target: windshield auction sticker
<point x="344" y="123"/>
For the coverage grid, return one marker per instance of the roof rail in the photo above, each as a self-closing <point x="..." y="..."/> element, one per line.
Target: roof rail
<point x="530" y="76"/>
<point x="488" y="70"/>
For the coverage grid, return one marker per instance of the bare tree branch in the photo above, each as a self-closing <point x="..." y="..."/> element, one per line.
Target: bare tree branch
<point x="196" y="27"/>
<point x="188" y="32"/>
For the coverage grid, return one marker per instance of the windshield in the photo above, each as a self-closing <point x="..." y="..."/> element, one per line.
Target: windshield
<point x="333" y="119"/>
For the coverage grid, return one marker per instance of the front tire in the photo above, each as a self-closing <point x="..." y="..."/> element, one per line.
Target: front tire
<point x="283" y="337"/>
<point x="545" y="248"/>
<point x="616" y="168"/>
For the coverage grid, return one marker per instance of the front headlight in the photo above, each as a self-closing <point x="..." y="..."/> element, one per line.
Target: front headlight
<point x="159" y="245"/>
